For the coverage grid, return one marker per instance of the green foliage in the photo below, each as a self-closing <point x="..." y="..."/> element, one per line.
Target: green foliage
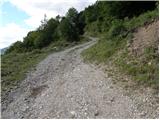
<point x="16" y="47"/>
<point x="107" y="11"/>
<point x="73" y="23"/>
<point x="43" y="23"/>
<point x="72" y="16"/>
<point x="115" y="37"/>
<point x="14" y="66"/>
<point x="151" y="53"/>
<point x="52" y="30"/>
<point x="47" y="35"/>
<point x="39" y="42"/>
<point x="91" y="14"/>
<point x="28" y="41"/>
<point x="68" y="30"/>
<point x="144" y="70"/>
<point x="81" y="22"/>
<point x="49" y="32"/>
<point x="122" y="9"/>
<point x="117" y="28"/>
<point x="141" y="19"/>
<point x="93" y="28"/>
<point x="104" y="49"/>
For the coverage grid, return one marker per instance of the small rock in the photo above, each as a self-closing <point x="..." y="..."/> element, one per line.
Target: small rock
<point x="85" y="109"/>
<point x="25" y="99"/>
<point x="73" y="114"/>
<point x="149" y="63"/>
<point x="85" y="113"/>
<point x="143" y="113"/>
<point x="40" y="107"/>
<point x="96" y="113"/>
<point x="112" y="99"/>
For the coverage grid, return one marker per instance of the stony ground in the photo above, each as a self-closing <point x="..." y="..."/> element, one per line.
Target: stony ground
<point x="63" y="86"/>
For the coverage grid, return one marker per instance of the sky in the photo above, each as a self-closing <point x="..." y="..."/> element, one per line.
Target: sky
<point x="18" y="17"/>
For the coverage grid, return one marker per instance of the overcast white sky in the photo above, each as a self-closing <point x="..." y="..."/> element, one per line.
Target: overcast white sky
<point x="20" y="16"/>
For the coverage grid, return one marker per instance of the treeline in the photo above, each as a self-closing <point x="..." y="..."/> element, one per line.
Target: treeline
<point x="103" y="16"/>
<point x="96" y="18"/>
<point x="68" y="28"/>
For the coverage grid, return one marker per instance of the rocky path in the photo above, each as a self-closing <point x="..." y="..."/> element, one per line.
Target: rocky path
<point x="63" y="86"/>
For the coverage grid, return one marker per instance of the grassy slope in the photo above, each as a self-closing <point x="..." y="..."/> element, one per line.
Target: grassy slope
<point x="14" y="66"/>
<point x="114" y="49"/>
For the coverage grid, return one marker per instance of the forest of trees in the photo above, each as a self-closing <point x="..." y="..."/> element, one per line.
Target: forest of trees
<point x="71" y="26"/>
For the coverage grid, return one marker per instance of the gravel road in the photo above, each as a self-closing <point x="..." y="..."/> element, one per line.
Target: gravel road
<point x="63" y="86"/>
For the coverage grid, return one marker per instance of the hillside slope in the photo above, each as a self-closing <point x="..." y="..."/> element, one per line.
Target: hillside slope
<point x="139" y="59"/>
<point x="132" y="47"/>
<point x="121" y="82"/>
<point x="63" y="86"/>
<point x="146" y="36"/>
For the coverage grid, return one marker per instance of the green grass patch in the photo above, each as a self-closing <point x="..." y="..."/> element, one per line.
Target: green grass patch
<point x="103" y="50"/>
<point x="143" y="69"/>
<point x="144" y="18"/>
<point x="14" y="66"/>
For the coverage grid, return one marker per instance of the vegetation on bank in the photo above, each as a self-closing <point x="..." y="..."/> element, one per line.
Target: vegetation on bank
<point x="113" y="46"/>
<point x="117" y="36"/>
<point x="15" y="66"/>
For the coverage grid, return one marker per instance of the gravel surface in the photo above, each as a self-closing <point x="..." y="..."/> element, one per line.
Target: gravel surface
<point x="63" y="86"/>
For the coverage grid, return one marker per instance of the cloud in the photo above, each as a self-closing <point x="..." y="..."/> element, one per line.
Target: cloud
<point x="37" y="8"/>
<point x="11" y="33"/>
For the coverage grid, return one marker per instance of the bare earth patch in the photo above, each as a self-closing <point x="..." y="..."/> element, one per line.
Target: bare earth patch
<point x="145" y="37"/>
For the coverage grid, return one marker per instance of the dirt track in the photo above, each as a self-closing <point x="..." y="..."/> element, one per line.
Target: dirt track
<point x="63" y="86"/>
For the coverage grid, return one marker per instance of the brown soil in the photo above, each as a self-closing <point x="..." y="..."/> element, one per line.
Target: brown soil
<point x="144" y="37"/>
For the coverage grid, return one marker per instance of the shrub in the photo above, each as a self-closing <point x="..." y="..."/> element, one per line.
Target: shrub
<point x="117" y="29"/>
<point x="16" y="47"/>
